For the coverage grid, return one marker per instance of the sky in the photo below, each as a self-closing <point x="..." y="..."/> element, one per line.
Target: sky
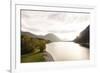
<point x="64" y="25"/>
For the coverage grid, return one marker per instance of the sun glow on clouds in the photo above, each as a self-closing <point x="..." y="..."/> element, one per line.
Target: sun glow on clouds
<point x="65" y="25"/>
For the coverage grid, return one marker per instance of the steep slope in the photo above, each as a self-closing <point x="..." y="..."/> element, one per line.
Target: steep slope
<point x="84" y="37"/>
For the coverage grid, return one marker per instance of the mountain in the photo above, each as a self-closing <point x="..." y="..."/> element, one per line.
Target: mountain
<point x="84" y="37"/>
<point x="52" y="37"/>
<point x="28" y="34"/>
<point x="31" y="42"/>
<point x="49" y="36"/>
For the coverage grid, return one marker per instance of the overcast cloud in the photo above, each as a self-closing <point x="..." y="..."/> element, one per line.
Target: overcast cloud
<point x="60" y="23"/>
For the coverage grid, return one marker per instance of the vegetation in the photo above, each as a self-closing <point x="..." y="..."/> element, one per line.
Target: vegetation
<point x="26" y="45"/>
<point x="32" y="57"/>
<point x="32" y="48"/>
<point x="84" y="37"/>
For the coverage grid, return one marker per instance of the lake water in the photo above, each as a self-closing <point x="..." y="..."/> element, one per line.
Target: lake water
<point x="62" y="51"/>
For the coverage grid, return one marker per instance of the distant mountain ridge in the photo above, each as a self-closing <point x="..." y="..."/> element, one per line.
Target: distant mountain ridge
<point x="52" y="37"/>
<point x="49" y="36"/>
<point x="29" y="34"/>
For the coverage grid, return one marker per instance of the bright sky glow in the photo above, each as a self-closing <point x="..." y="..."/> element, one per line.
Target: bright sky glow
<point x="64" y="25"/>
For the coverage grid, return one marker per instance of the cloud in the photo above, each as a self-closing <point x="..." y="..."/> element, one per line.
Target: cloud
<point x="56" y="22"/>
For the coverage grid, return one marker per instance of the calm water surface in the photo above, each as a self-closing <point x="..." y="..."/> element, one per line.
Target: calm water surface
<point x="61" y="51"/>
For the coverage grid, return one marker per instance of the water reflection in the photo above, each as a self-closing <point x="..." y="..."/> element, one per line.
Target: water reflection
<point x="62" y="51"/>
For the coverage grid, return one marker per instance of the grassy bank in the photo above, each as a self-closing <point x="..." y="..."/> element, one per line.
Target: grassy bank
<point x="32" y="57"/>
